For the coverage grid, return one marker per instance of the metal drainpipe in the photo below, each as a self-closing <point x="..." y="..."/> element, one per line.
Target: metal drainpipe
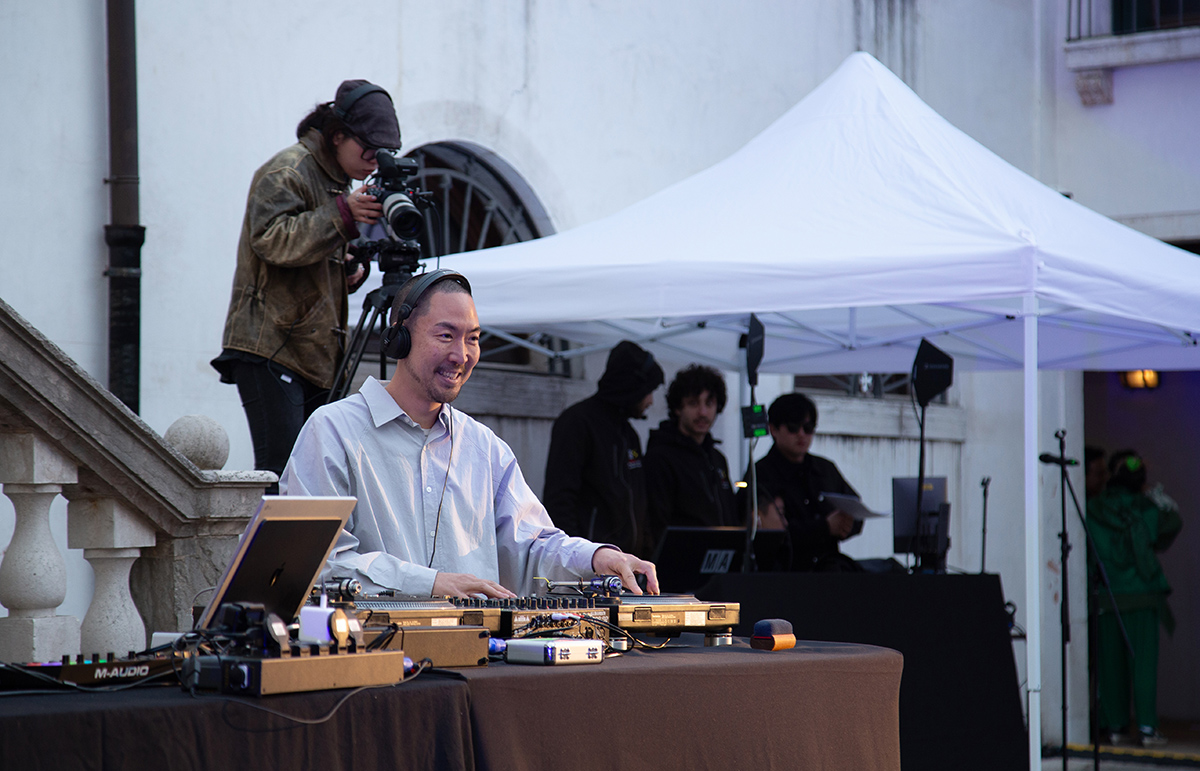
<point x="124" y="235"/>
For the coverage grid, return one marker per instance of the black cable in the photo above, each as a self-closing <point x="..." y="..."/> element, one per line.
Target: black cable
<point x="624" y="633"/>
<point x="437" y="525"/>
<point x="542" y="622"/>
<point x="384" y="638"/>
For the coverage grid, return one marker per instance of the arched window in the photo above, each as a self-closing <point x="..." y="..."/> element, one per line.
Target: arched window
<point x="481" y="202"/>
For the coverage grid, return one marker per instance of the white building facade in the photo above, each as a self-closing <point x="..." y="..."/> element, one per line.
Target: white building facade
<point x="594" y="106"/>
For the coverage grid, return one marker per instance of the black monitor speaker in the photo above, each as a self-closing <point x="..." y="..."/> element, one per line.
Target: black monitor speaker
<point x="932" y="372"/>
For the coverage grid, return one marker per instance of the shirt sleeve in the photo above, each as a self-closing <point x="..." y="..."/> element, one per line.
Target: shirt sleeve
<point x="528" y="544"/>
<point x="320" y="465"/>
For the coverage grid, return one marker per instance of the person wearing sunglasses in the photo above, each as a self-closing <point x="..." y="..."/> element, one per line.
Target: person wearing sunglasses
<point x="286" y="324"/>
<point x="797" y="478"/>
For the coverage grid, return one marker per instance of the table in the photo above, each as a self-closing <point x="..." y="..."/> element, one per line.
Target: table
<point x="819" y="706"/>
<point x="960" y="703"/>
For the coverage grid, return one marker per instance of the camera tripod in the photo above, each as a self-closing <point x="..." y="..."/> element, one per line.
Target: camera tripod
<point x="374" y="318"/>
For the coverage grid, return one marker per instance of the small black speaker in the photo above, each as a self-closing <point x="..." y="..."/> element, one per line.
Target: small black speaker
<point x="932" y="372"/>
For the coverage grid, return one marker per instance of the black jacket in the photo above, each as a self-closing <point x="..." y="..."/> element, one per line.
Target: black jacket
<point x="594" y="481"/>
<point x="687" y="484"/>
<point x="800" y="485"/>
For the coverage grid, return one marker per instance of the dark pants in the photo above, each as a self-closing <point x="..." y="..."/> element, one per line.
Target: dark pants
<point x="1121" y="678"/>
<point x="277" y="401"/>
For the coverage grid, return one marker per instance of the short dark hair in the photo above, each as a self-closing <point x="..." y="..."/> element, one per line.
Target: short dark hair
<point x="447" y="284"/>
<point x="694" y="380"/>
<point x="1091" y="454"/>
<point x="792" y="408"/>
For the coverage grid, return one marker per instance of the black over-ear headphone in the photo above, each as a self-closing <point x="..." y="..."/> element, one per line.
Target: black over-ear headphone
<point x="397" y="341"/>
<point x="341" y="107"/>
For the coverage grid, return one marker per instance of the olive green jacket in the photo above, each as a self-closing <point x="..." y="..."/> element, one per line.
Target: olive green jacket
<point x="289" y="301"/>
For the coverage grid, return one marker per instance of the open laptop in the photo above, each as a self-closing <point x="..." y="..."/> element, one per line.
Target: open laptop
<point x="687" y="557"/>
<point x="281" y="554"/>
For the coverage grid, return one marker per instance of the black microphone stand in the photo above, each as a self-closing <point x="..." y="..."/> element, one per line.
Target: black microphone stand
<point x="1065" y="609"/>
<point x="749" y="564"/>
<point x="755" y="342"/>
<point x="984" y="483"/>
<point x="1101" y="575"/>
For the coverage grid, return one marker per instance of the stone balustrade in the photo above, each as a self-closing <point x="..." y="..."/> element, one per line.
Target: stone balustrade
<point x="155" y="527"/>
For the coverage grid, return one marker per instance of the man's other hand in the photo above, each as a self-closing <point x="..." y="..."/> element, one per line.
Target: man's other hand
<point x="770" y="515"/>
<point x="609" y="561"/>
<point x="467" y="585"/>
<point x="840" y="524"/>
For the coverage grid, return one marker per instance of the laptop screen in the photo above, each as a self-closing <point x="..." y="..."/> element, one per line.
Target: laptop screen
<point x="280" y="555"/>
<point x="687" y="557"/>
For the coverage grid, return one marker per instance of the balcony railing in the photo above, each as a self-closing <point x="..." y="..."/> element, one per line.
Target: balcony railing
<point x="1101" y="18"/>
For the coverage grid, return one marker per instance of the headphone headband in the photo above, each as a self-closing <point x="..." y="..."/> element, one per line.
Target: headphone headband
<point x="396" y="340"/>
<point x="341" y="107"/>
<point x="423" y="284"/>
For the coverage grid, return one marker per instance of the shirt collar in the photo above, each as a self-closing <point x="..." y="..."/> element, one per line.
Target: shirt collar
<point x="384" y="408"/>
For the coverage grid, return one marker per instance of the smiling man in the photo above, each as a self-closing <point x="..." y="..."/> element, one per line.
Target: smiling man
<point x="687" y="477"/>
<point x="443" y="509"/>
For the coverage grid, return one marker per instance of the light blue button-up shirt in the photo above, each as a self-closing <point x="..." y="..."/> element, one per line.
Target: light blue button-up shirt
<point x="453" y="500"/>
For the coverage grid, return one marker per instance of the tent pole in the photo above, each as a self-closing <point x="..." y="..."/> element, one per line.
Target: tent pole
<point x="1033" y="558"/>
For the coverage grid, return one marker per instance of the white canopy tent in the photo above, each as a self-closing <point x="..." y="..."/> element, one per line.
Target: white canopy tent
<point x="856" y="224"/>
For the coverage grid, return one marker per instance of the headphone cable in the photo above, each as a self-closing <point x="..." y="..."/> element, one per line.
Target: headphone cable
<point x="437" y="525"/>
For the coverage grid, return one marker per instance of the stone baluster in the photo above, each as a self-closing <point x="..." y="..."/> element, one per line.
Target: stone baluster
<point x="112" y="537"/>
<point x="33" y="574"/>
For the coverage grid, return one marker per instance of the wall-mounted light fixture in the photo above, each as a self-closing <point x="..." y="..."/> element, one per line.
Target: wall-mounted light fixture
<point x="1140" y="378"/>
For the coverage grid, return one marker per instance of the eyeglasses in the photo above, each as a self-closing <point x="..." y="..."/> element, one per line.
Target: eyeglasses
<point x="368" y="152"/>
<point x="807" y="427"/>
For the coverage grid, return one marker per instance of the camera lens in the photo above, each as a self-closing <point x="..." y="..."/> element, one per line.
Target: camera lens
<point x="403" y="217"/>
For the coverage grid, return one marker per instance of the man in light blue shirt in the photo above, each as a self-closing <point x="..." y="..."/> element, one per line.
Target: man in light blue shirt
<point x="443" y="509"/>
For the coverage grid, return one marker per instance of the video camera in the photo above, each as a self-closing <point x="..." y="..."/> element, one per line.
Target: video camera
<point x="399" y="203"/>
<point x="403" y="219"/>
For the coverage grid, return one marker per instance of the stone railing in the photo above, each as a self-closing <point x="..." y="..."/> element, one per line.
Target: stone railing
<point x="155" y="528"/>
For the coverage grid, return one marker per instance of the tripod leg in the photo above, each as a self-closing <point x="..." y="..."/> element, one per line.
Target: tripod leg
<point x="375" y="310"/>
<point x="345" y="372"/>
<point x="354" y="356"/>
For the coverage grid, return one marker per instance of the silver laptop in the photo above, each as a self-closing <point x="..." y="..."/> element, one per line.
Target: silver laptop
<point x="281" y="554"/>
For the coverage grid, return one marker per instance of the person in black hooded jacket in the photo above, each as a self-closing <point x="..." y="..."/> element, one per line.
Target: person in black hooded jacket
<point x="594" y="478"/>
<point x="687" y="477"/>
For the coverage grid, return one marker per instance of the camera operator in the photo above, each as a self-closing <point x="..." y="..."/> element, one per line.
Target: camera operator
<point x="286" y="325"/>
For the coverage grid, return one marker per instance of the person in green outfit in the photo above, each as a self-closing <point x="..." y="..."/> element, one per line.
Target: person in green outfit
<point x="1129" y="524"/>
